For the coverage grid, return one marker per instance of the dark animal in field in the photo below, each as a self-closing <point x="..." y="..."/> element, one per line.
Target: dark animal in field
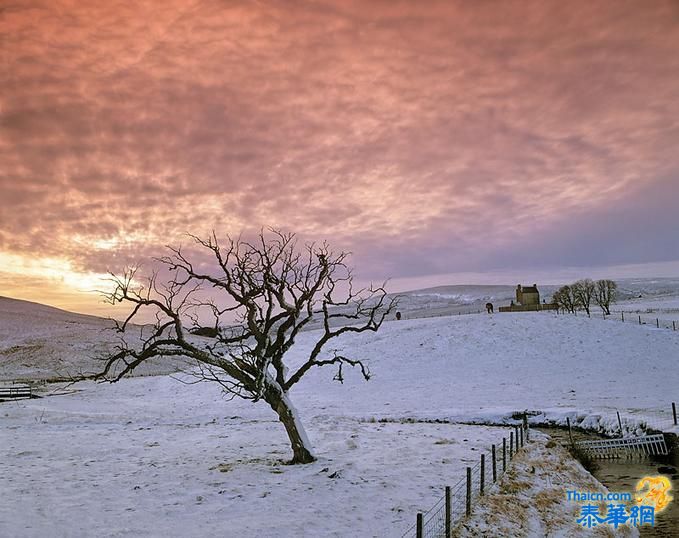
<point x="210" y="332"/>
<point x="398" y="315"/>
<point x="489" y="308"/>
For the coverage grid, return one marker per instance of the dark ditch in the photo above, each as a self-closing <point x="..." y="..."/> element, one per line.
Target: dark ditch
<point x="623" y="474"/>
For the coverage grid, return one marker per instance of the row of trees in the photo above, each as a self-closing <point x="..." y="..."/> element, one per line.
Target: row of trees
<point x="582" y="294"/>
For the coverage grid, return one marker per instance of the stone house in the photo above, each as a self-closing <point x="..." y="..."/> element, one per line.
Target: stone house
<point x="527" y="295"/>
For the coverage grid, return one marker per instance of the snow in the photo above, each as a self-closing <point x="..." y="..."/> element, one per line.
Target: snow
<point x="486" y="367"/>
<point x="151" y="456"/>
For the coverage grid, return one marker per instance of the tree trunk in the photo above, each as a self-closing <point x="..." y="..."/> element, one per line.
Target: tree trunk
<point x="301" y="447"/>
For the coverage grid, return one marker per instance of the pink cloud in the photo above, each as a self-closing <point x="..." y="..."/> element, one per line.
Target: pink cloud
<point x="451" y="131"/>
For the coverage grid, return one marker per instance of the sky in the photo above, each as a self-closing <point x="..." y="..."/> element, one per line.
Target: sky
<point x="436" y="141"/>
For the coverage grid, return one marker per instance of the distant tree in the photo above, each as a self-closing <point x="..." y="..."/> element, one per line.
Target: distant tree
<point x="606" y="293"/>
<point x="583" y="293"/>
<point x="274" y="288"/>
<point x="564" y="299"/>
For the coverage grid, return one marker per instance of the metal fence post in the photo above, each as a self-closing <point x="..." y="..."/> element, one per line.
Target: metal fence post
<point x="504" y="454"/>
<point x="492" y="450"/>
<point x="674" y="413"/>
<point x="420" y="526"/>
<point x="619" y="422"/>
<point x="483" y="474"/>
<point x="449" y="513"/>
<point x="468" y="509"/>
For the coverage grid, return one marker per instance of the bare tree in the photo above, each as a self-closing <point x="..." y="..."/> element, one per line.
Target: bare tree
<point x="564" y="299"/>
<point x="273" y="288"/>
<point x="605" y="294"/>
<point x="583" y="293"/>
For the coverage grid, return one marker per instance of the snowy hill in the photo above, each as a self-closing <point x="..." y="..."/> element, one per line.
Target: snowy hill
<point x="179" y="460"/>
<point x="451" y="300"/>
<point x="43" y="342"/>
<point x="646" y="293"/>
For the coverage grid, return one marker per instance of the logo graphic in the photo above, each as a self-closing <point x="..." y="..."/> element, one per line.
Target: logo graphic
<point x="657" y="493"/>
<point x="652" y="496"/>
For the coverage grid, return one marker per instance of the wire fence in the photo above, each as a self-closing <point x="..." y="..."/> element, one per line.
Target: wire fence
<point x="646" y="421"/>
<point x="445" y="313"/>
<point x="457" y="502"/>
<point x="659" y="320"/>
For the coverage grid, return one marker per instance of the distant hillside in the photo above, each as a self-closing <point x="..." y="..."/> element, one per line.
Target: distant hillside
<point x="459" y="299"/>
<point x="43" y="342"/>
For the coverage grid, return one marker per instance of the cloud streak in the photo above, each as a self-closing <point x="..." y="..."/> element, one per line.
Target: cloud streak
<point x="427" y="138"/>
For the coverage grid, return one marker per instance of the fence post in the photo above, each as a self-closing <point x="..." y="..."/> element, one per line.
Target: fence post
<point x="516" y="438"/>
<point x="504" y="454"/>
<point x="492" y="450"/>
<point x="483" y="474"/>
<point x="468" y="509"/>
<point x="570" y="432"/>
<point x="639" y="319"/>
<point x="619" y="422"/>
<point x="420" y="526"/>
<point x="449" y="513"/>
<point x="521" y="433"/>
<point x="511" y="445"/>
<point x="674" y="413"/>
<point x="623" y="316"/>
<point x="673" y="327"/>
<point x="525" y="426"/>
<point x="657" y="323"/>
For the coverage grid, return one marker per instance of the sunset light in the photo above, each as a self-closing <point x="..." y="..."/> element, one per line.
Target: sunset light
<point x="395" y="131"/>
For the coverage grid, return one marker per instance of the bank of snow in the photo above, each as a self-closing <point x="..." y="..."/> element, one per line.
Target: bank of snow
<point x="530" y="499"/>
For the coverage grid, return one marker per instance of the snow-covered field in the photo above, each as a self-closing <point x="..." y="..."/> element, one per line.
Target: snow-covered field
<point x="151" y="456"/>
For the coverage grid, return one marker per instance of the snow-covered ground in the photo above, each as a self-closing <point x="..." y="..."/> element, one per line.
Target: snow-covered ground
<point x="152" y="456"/>
<point x="481" y="367"/>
